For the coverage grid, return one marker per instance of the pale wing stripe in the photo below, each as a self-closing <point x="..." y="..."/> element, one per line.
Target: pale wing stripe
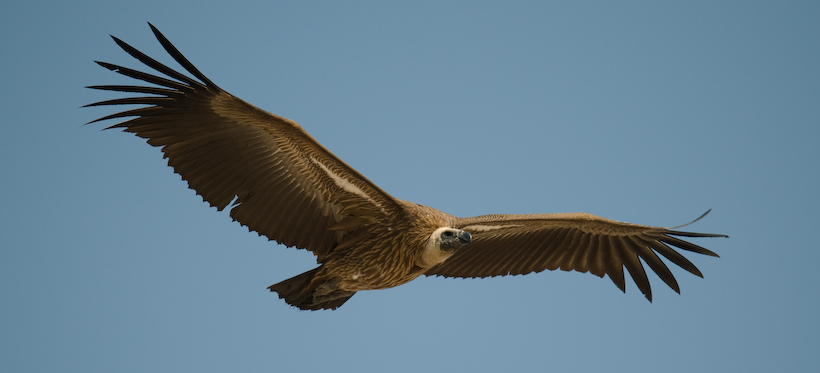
<point x="346" y="185"/>
<point x="479" y="228"/>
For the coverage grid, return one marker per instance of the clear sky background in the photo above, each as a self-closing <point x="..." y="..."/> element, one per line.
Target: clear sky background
<point x="636" y="111"/>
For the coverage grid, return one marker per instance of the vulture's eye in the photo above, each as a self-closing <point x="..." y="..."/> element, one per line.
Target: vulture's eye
<point x="447" y="234"/>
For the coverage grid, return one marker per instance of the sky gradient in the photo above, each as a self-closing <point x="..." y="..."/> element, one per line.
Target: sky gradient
<point x="635" y="111"/>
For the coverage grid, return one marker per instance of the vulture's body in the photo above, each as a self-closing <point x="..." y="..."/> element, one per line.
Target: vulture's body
<point x="283" y="184"/>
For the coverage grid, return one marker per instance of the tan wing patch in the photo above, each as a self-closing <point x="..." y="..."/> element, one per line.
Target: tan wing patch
<point x="346" y="185"/>
<point x="477" y="228"/>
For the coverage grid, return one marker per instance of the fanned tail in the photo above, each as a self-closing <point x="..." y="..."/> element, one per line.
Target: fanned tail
<point x="298" y="291"/>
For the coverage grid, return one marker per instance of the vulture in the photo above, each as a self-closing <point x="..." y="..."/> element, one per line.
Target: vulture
<point x="283" y="184"/>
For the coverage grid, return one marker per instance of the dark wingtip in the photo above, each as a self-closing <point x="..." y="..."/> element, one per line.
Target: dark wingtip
<point x="107" y="65"/>
<point x="156" y="32"/>
<point x="175" y="53"/>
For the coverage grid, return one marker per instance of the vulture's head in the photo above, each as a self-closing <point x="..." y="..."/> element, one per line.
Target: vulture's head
<point x="442" y="244"/>
<point x="449" y="239"/>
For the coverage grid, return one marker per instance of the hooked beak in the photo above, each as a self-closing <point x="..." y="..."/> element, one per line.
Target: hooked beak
<point x="465" y="237"/>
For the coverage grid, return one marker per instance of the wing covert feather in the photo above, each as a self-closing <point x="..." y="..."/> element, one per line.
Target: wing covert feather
<point x="521" y="244"/>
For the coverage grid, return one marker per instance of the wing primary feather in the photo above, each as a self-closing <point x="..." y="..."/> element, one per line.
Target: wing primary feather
<point x="687" y="245"/>
<point x="174" y="52"/>
<point x="134" y="89"/>
<point x="652" y="260"/>
<point x="133" y="101"/>
<point x="676" y="257"/>
<point x="633" y="264"/>
<point x="131" y="73"/>
<point x="128" y="113"/>
<point x="154" y="64"/>
<point x="693" y="234"/>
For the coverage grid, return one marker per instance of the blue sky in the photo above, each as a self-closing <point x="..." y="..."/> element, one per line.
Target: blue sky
<point x="636" y="111"/>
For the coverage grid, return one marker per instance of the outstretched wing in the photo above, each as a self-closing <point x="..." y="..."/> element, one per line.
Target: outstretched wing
<point x="279" y="180"/>
<point x="520" y="244"/>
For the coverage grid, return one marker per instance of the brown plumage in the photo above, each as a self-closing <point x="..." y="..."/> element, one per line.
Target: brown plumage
<point x="283" y="184"/>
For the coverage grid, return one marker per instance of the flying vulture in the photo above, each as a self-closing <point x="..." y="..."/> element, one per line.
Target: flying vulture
<point x="283" y="184"/>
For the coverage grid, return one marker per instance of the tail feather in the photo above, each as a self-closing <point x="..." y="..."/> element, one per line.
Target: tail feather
<point x="298" y="291"/>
